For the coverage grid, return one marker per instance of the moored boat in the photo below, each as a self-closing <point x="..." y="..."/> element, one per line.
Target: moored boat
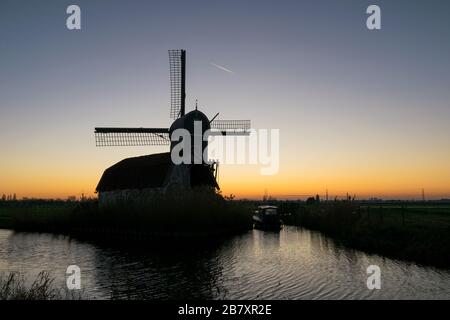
<point x="267" y="218"/>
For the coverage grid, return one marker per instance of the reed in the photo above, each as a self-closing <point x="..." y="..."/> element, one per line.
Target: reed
<point x="13" y="287"/>
<point x="193" y="213"/>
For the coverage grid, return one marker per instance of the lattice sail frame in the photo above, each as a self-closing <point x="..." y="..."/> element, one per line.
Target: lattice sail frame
<point x="177" y="62"/>
<point x="230" y="127"/>
<point x="237" y="125"/>
<point x="117" y="137"/>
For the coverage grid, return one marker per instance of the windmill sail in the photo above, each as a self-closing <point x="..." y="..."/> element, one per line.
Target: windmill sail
<point x="230" y="127"/>
<point x="177" y="60"/>
<point x="107" y="137"/>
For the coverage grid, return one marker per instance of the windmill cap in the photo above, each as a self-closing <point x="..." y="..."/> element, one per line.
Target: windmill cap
<point x="187" y="121"/>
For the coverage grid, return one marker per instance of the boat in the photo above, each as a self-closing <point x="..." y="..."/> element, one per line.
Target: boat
<point x="267" y="218"/>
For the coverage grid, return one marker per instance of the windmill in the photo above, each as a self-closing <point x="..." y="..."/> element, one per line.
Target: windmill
<point x="144" y="173"/>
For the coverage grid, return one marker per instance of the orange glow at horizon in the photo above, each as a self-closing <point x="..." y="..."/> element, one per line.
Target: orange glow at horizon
<point x="245" y="181"/>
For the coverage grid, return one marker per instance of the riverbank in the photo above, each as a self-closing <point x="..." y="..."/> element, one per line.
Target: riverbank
<point x="412" y="232"/>
<point x="416" y="233"/>
<point x="196" y="215"/>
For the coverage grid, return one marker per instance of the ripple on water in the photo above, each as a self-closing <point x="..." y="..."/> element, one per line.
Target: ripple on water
<point x="293" y="264"/>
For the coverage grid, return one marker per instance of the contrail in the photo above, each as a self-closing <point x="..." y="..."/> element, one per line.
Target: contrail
<point x="222" y="68"/>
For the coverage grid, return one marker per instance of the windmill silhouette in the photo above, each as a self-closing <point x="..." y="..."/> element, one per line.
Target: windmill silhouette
<point x="157" y="172"/>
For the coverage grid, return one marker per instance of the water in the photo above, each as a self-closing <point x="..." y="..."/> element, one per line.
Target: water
<point x="293" y="264"/>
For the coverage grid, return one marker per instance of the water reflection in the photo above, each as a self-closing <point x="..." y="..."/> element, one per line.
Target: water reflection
<point x="291" y="264"/>
<point x="173" y="271"/>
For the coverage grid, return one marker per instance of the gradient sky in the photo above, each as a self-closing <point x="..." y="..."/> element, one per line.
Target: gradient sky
<point x="359" y="111"/>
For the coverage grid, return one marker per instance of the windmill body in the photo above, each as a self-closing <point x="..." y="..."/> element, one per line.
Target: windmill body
<point x="137" y="179"/>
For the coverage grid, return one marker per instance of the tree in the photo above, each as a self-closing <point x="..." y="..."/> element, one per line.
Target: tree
<point x="310" y="201"/>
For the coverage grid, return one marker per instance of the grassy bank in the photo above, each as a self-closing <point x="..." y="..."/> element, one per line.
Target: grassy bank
<point x="12" y="287"/>
<point x="194" y="214"/>
<point x="418" y="233"/>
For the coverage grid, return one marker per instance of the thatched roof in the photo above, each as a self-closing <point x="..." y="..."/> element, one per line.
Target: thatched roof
<point x="148" y="172"/>
<point x="136" y="173"/>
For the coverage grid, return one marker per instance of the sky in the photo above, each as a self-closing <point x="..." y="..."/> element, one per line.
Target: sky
<point x="359" y="111"/>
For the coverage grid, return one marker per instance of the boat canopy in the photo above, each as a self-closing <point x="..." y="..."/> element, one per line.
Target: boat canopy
<point x="268" y="210"/>
<point x="267" y="207"/>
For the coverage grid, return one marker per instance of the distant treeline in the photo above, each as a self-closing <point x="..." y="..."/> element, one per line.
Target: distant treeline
<point x="293" y="206"/>
<point x="282" y="203"/>
<point x="40" y="202"/>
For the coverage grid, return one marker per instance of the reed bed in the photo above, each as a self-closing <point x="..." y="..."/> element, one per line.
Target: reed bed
<point x="13" y="287"/>
<point x="192" y="214"/>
